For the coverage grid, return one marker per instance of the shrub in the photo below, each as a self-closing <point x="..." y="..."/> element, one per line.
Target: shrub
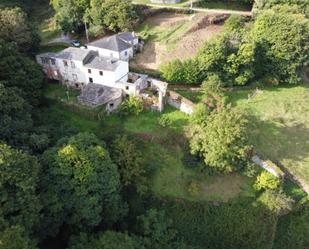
<point x="250" y="170"/>
<point x="276" y="202"/>
<point x="173" y="71"/>
<point x="193" y="188"/>
<point x="131" y="106"/>
<point x="266" y="181"/>
<point x="165" y="121"/>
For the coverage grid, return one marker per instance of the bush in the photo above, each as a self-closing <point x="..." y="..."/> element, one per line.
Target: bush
<point x="165" y="121"/>
<point x="266" y="181"/>
<point x="173" y="71"/>
<point x="276" y="202"/>
<point x="131" y="106"/>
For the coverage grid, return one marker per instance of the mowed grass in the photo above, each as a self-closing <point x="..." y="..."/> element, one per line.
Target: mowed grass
<point x="280" y="125"/>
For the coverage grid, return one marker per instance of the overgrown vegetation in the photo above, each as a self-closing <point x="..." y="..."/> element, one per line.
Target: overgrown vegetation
<point x="121" y="181"/>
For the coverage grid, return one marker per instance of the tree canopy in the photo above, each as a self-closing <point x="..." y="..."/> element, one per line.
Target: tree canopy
<point x="19" y="178"/>
<point x="223" y="141"/>
<point x="15" y="27"/>
<point x="81" y="185"/>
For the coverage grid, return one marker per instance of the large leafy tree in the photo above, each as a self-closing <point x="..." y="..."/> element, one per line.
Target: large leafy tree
<point x="15" y="118"/>
<point x="70" y="13"/>
<point x="222" y="140"/>
<point x="282" y="36"/>
<point x="15" y="237"/>
<point x="107" y="240"/>
<point x="81" y="185"/>
<point x="17" y="70"/>
<point x="19" y="177"/>
<point x="15" y="27"/>
<point x="115" y="15"/>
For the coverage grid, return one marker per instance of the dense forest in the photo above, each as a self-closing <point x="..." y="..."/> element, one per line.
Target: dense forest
<point x="62" y="187"/>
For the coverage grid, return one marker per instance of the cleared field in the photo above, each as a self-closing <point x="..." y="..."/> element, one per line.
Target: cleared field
<point x="172" y="36"/>
<point x="280" y="127"/>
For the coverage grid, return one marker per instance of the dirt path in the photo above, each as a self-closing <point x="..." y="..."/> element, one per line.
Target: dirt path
<point x="204" y="10"/>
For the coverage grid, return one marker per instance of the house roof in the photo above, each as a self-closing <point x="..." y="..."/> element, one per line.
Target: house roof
<point x="71" y="53"/>
<point x="114" y="43"/>
<point x="102" y="63"/>
<point x="95" y="94"/>
<point x="126" y="36"/>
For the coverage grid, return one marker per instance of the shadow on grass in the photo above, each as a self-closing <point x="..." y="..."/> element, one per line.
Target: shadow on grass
<point x="286" y="144"/>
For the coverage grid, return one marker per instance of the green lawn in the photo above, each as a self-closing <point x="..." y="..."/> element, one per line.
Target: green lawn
<point x="280" y="125"/>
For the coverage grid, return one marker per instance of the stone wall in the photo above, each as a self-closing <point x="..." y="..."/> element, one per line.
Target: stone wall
<point x="181" y="103"/>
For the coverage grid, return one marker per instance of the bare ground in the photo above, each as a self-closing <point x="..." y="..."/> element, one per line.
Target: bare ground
<point x="184" y="44"/>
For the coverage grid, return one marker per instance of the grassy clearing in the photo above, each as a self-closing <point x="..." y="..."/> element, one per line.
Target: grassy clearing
<point x="194" y="96"/>
<point x="280" y="125"/>
<point x="59" y="92"/>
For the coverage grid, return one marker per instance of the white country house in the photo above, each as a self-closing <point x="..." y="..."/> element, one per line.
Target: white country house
<point x="120" y="46"/>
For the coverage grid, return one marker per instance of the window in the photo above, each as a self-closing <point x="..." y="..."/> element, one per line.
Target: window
<point x="53" y="61"/>
<point x="74" y="77"/>
<point x="90" y="80"/>
<point x="55" y="73"/>
<point x="127" y="87"/>
<point x="44" y="60"/>
<point x="89" y="70"/>
<point x="72" y="64"/>
<point x="126" y="53"/>
<point x="65" y="63"/>
<point x="111" y="105"/>
<point x="101" y="73"/>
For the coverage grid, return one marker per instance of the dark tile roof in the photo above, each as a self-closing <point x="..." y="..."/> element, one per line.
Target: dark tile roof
<point x="102" y="63"/>
<point x="126" y="36"/>
<point x="71" y="53"/>
<point x="114" y="43"/>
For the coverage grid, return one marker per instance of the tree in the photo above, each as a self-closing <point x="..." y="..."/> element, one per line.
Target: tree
<point x="15" y="117"/>
<point x="114" y="15"/>
<point x="80" y="184"/>
<point x="17" y="70"/>
<point x="173" y="71"/>
<point x="260" y="5"/>
<point x="70" y="13"/>
<point x="15" y="237"/>
<point x="106" y="240"/>
<point x="223" y="142"/>
<point x="128" y="159"/>
<point x="19" y="177"/>
<point x="213" y="93"/>
<point x="282" y="35"/>
<point x="15" y="27"/>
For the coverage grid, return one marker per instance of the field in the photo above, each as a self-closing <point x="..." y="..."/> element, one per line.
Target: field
<point x="280" y="123"/>
<point x="172" y="171"/>
<point x="172" y="36"/>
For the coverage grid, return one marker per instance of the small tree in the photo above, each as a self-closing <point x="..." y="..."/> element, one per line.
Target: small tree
<point x="128" y="159"/>
<point x="266" y="181"/>
<point x="213" y="92"/>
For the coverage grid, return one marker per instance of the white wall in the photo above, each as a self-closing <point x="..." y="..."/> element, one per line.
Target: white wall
<point x="123" y="55"/>
<point x="73" y="72"/>
<point x="109" y="77"/>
